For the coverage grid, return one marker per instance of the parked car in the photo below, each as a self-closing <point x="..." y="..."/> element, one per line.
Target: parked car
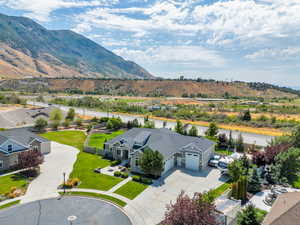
<point x="213" y="163"/>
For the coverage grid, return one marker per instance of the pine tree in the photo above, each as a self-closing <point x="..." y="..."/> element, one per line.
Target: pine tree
<point x="240" y="144"/>
<point x="254" y="184"/>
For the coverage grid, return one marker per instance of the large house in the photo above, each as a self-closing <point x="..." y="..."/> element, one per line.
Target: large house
<point x="181" y="151"/>
<point x="14" y="141"/>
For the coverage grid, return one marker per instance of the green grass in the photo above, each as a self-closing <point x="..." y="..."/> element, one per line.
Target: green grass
<point x="9" y="204"/>
<point x="85" y="163"/>
<point x="95" y="195"/>
<point x="15" y="180"/>
<point x="260" y="214"/>
<point x="296" y="183"/>
<point x="223" y="152"/>
<point x="97" y="140"/>
<point x="220" y="190"/>
<point x="131" y="189"/>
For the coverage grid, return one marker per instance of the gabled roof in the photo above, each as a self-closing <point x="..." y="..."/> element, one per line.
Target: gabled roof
<point x="163" y="140"/>
<point x="21" y="136"/>
<point x="285" y="211"/>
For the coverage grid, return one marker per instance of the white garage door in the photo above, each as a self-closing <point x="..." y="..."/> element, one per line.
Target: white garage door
<point x="169" y="164"/>
<point x="192" y="161"/>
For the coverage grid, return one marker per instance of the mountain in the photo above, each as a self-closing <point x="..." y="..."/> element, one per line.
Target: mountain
<point x="29" y="50"/>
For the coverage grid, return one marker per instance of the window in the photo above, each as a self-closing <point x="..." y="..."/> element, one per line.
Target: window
<point x="1" y="164"/>
<point x="118" y="152"/>
<point x="9" y="148"/>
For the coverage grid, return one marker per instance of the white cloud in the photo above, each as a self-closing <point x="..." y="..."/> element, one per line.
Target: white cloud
<point x="41" y="9"/>
<point x="284" y="53"/>
<point x="184" y="55"/>
<point x="221" y="22"/>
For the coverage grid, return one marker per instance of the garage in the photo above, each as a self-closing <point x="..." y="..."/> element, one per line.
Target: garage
<point x="169" y="164"/>
<point x="192" y="161"/>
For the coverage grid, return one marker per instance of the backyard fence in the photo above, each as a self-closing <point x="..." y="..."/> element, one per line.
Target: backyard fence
<point x="93" y="150"/>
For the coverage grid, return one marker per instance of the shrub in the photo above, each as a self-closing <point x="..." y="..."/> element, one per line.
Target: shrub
<point x="136" y="178"/>
<point x="146" y="180"/>
<point x="75" y="181"/>
<point x="71" y="183"/>
<point x="124" y="175"/>
<point x="117" y="174"/>
<point x="115" y="163"/>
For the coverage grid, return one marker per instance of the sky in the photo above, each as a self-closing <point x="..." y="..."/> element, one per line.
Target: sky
<point x="249" y="40"/>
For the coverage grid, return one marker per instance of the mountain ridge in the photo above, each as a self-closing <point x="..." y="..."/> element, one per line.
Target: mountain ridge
<point x="30" y="50"/>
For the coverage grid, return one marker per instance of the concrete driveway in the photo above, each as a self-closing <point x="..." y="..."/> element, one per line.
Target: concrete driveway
<point x="151" y="204"/>
<point x="258" y="199"/>
<point x="59" y="160"/>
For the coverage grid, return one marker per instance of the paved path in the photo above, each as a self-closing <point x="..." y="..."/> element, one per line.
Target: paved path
<point x="14" y="172"/>
<point x="116" y="187"/>
<point x="60" y="160"/>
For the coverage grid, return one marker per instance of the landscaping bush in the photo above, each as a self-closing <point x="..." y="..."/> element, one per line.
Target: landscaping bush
<point x="124" y="175"/>
<point x="115" y="163"/>
<point x="143" y="180"/>
<point x="71" y="183"/>
<point x="117" y="174"/>
<point x="136" y="178"/>
<point x="146" y="180"/>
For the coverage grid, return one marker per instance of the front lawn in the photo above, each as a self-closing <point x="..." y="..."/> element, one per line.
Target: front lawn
<point x="95" y="195"/>
<point x="9" y="204"/>
<point x="223" y="152"/>
<point x="220" y="190"/>
<point x="15" y="180"/>
<point x="86" y="162"/>
<point x="98" y="140"/>
<point x="131" y="189"/>
<point x="296" y="183"/>
<point x="261" y="214"/>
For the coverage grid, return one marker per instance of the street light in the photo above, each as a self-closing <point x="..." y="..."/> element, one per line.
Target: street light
<point x="64" y="184"/>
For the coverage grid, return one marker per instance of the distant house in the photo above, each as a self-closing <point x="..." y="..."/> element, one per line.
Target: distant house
<point x="285" y="210"/>
<point x="23" y="117"/>
<point x="181" y="151"/>
<point x="14" y="141"/>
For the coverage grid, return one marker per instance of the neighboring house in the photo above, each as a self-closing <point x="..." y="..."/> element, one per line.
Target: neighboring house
<point x="14" y="141"/>
<point x="227" y="210"/>
<point x="285" y="210"/>
<point x="178" y="150"/>
<point x="23" y="117"/>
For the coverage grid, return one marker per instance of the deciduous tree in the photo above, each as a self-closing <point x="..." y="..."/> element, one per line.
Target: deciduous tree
<point x="40" y="124"/>
<point x="212" y="130"/>
<point x="248" y="216"/>
<point x="179" y="127"/>
<point x="30" y="159"/>
<point x="71" y="114"/>
<point x="190" y="211"/>
<point x="193" y="131"/>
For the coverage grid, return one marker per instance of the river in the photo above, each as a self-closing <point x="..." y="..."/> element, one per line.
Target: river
<point x="249" y="138"/>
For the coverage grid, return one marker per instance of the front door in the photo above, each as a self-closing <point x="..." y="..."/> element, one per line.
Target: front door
<point x="125" y="154"/>
<point x="179" y="161"/>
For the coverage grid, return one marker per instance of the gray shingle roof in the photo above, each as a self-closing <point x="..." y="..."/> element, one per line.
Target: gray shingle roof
<point x="21" y="135"/>
<point x="163" y="140"/>
<point x="23" y="116"/>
